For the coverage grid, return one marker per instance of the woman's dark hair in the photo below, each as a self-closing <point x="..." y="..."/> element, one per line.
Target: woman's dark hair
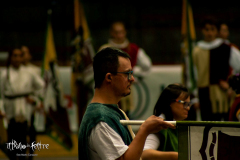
<point x="234" y="82"/>
<point x="106" y="61"/>
<point x="170" y="93"/>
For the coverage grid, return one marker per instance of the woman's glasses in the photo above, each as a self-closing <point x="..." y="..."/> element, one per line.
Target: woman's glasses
<point x="185" y="104"/>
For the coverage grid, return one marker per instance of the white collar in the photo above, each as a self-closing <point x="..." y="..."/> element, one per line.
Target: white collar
<point x="210" y="45"/>
<point x="122" y="45"/>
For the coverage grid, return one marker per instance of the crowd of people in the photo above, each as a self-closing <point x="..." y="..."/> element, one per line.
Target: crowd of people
<point x="216" y="63"/>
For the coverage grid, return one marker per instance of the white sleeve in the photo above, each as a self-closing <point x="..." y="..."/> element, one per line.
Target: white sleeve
<point x="105" y="143"/>
<point x="143" y="60"/>
<point x="152" y="142"/>
<point x="234" y="59"/>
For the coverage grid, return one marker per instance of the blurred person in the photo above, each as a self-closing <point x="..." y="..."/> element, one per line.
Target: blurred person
<point x="37" y="117"/>
<point x="18" y="85"/>
<point x="173" y="104"/>
<point x="101" y="135"/>
<point x="27" y="58"/>
<point x="213" y="60"/>
<point x="234" y="83"/>
<point x="118" y="39"/>
<point x="224" y="34"/>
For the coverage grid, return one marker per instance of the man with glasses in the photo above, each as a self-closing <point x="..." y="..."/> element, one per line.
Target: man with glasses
<point x="101" y="136"/>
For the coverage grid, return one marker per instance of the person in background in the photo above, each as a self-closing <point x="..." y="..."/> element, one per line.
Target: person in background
<point x="118" y="39"/>
<point x="234" y="83"/>
<point x="27" y="58"/>
<point x="18" y="86"/>
<point x="224" y="34"/>
<point x="101" y="135"/>
<point x="173" y="104"/>
<point x="37" y="117"/>
<point x="214" y="60"/>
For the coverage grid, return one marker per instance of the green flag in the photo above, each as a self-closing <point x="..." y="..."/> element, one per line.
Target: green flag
<point x="188" y="37"/>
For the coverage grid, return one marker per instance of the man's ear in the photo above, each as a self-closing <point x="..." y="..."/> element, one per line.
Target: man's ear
<point x="108" y="77"/>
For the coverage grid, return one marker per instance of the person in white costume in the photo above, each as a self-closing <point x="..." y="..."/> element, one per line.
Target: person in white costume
<point x="18" y="86"/>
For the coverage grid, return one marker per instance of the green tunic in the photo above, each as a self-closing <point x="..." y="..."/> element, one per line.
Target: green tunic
<point x="168" y="140"/>
<point x="95" y="113"/>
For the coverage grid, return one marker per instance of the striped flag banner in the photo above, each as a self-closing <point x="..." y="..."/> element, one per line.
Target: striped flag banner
<point x="57" y="121"/>
<point x="189" y="37"/>
<point x="82" y="71"/>
<point x="208" y="140"/>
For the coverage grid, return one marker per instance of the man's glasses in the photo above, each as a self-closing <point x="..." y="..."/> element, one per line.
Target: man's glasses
<point x="185" y="104"/>
<point x="129" y="73"/>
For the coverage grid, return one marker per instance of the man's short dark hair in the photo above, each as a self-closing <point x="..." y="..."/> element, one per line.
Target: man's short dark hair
<point x="211" y="21"/>
<point x="106" y="61"/>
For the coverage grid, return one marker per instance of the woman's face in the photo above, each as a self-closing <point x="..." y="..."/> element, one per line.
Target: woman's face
<point x="178" y="110"/>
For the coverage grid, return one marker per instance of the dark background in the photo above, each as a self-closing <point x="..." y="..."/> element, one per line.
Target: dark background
<point x="153" y="25"/>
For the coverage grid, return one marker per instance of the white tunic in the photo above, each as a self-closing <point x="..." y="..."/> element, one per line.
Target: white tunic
<point x="19" y="81"/>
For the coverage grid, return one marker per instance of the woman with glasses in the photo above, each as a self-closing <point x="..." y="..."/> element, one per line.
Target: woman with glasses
<point x="173" y="104"/>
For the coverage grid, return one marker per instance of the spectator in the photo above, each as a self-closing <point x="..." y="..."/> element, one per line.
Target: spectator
<point x="213" y="60"/>
<point x="173" y="104"/>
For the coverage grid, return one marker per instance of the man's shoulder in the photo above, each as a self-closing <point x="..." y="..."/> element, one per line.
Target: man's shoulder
<point x="100" y="108"/>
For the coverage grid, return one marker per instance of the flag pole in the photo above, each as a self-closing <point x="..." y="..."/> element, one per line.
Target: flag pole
<point x="139" y="122"/>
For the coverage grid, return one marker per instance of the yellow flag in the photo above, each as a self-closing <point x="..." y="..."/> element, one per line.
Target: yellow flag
<point x="80" y="19"/>
<point x="50" y="51"/>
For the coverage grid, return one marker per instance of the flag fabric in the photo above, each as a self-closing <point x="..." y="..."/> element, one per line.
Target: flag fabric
<point x="83" y="53"/>
<point x="188" y="37"/>
<point x="57" y="121"/>
<point x="208" y="140"/>
<point x="50" y="51"/>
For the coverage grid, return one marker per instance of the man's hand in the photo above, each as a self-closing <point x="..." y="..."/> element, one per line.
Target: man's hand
<point x="154" y="124"/>
<point x="30" y="100"/>
<point x="224" y="85"/>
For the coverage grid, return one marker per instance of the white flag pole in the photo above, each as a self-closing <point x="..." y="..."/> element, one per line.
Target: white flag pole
<point x="139" y="122"/>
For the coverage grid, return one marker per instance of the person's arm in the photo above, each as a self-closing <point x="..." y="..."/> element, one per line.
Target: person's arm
<point x="234" y="59"/>
<point x="105" y="143"/>
<point x="151" y="154"/>
<point x="143" y="62"/>
<point x="37" y="88"/>
<point x="152" y="125"/>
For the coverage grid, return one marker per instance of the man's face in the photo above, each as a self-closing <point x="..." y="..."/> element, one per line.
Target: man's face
<point x="17" y="58"/>
<point x="121" y="83"/>
<point x="224" y="32"/>
<point x="209" y="32"/>
<point x="26" y="54"/>
<point x="118" y="33"/>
